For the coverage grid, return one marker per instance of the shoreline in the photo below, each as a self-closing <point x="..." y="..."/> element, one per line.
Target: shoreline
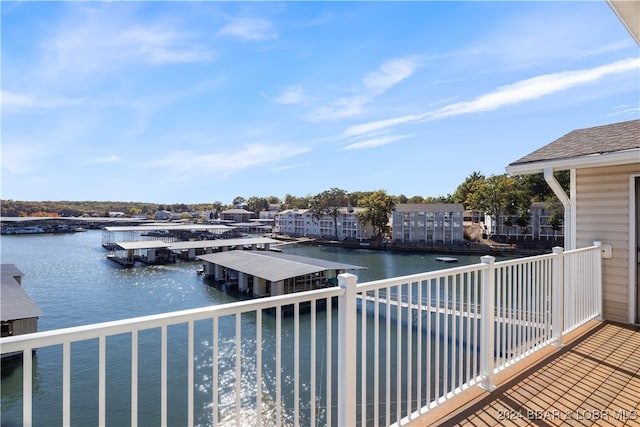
<point x="466" y="248"/>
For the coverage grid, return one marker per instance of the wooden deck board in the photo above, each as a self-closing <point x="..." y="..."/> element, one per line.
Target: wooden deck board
<point x="593" y="380"/>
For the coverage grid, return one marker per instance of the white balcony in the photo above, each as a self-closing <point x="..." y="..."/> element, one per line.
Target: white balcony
<point x="377" y="353"/>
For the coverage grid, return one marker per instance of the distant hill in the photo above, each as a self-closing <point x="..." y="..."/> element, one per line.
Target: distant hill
<point x="14" y="208"/>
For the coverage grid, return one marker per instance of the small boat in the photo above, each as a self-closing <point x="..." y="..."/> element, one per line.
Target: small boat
<point x="446" y="259"/>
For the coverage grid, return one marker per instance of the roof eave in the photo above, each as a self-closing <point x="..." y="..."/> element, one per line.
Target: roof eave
<point x="589" y="161"/>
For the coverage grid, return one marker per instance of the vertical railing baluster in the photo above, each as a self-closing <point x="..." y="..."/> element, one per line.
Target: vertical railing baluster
<point x="399" y="354"/>
<point x="66" y="383"/>
<point x="363" y="359"/>
<point x="190" y="373"/>
<point x="487" y="359"/>
<point x="238" y="367"/>
<point x="437" y="343"/>
<point x="296" y="364"/>
<point x="419" y="345"/>
<point x="259" y="367"/>
<point x="134" y="378"/>
<point x="446" y="353"/>
<point x="102" y="380"/>
<point x="428" y="373"/>
<point x="388" y="358"/>
<point x="163" y="375"/>
<point x="312" y="366"/>
<point x="376" y="356"/>
<point x="215" y="407"/>
<point x="27" y="387"/>
<point x="279" y="365"/>
<point x="328" y="375"/>
<point x="409" y="345"/>
<point x="455" y="365"/>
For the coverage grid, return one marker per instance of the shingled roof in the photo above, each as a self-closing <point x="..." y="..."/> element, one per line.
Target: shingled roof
<point x="587" y="143"/>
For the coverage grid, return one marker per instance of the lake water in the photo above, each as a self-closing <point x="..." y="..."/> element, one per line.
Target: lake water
<point x="71" y="280"/>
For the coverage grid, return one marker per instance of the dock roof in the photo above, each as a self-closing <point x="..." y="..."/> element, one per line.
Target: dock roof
<point x="195" y="244"/>
<point x="219" y="243"/>
<point x="15" y="303"/>
<point x="274" y="266"/>
<point x="144" y="244"/>
<point x="160" y="227"/>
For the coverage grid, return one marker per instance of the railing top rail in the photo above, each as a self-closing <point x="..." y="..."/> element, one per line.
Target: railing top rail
<point x="418" y="277"/>
<point x="585" y="249"/>
<point x="84" y="332"/>
<point x="516" y="261"/>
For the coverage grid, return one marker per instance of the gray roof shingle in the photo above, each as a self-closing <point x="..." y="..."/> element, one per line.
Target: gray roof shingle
<point x="582" y="142"/>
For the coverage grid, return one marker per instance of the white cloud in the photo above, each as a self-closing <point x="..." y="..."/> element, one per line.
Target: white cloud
<point x="113" y="158"/>
<point x="504" y="96"/>
<point x="249" y="29"/>
<point x="340" y="109"/>
<point x="374" y="84"/>
<point x="291" y="95"/>
<point x="100" y="41"/>
<point x="12" y="101"/>
<point x="534" y="88"/>
<point x="22" y="157"/>
<point x="288" y="167"/>
<point x="389" y="74"/>
<point x="366" y="128"/>
<point x="224" y="164"/>
<point x="375" y="142"/>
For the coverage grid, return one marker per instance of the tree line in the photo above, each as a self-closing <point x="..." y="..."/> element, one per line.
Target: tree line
<point x="478" y="192"/>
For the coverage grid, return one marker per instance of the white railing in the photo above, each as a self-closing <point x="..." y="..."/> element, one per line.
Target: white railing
<point x="399" y="347"/>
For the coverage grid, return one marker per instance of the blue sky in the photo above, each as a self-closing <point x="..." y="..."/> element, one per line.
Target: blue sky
<point x="195" y="102"/>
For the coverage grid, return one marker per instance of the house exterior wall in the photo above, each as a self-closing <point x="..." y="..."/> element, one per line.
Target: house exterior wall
<point x="300" y="222"/>
<point x="436" y="223"/>
<point x="537" y="227"/>
<point x="602" y="213"/>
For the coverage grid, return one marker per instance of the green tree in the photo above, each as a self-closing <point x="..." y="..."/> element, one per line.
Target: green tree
<point x="257" y="204"/>
<point x="416" y="199"/>
<point x="463" y="190"/>
<point x="238" y="201"/>
<point x="329" y="203"/>
<point x="378" y="206"/>
<point x="291" y="202"/>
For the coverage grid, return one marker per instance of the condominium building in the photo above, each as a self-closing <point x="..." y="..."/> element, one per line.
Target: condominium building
<point x="428" y="222"/>
<point x="537" y="224"/>
<point x="301" y="222"/>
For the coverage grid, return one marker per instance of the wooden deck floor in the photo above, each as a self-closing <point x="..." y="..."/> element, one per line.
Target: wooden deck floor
<point x="593" y="380"/>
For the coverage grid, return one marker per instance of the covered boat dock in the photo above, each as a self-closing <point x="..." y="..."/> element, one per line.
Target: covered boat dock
<point x="270" y="273"/>
<point x="160" y="252"/>
<point x="170" y="232"/>
<point x="18" y="312"/>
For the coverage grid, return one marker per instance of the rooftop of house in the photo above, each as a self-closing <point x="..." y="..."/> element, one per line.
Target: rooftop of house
<point x="616" y="143"/>
<point x="429" y="207"/>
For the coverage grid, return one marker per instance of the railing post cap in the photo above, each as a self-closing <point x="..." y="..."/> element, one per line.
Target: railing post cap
<point x="488" y="259"/>
<point x="347" y="279"/>
<point x="558" y="249"/>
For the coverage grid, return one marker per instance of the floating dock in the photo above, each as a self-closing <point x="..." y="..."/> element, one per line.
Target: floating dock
<point x="446" y="259"/>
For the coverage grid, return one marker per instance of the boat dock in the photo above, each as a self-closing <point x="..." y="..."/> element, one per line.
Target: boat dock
<point x="166" y="232"/>
<point x="127" y="254"/>
<point x="269" y="273"/>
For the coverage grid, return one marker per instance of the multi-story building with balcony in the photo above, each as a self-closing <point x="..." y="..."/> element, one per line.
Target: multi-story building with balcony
<point x="428" y="222"/>
<point x="301" y="222"/>
<point x="537" y="225"/>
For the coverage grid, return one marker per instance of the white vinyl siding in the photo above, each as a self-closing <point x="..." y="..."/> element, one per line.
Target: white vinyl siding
<point x="602" y="214"/>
